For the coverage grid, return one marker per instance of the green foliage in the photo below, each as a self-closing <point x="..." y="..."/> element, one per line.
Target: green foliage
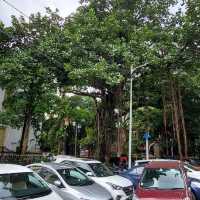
<point x="90" y="53"/>
<point x="90" y="138"/>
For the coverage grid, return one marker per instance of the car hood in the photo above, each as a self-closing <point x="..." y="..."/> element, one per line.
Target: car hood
<point x="94" y="191"/>
<point x="116" y="179"/>
<point x="161" y="194"/>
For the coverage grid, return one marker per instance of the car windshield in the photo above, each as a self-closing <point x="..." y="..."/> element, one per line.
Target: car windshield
<point x="74" y="177"/>
<point x="162" y="179"/>
<point x="22" y="186"/>
<point x="101" y="170"/>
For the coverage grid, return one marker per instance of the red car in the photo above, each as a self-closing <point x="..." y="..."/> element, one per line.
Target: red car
<point x="163" y="180"/>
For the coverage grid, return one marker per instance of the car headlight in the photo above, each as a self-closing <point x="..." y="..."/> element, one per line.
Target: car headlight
<point x="186" y="198"/>
<point x="115" y="187"/>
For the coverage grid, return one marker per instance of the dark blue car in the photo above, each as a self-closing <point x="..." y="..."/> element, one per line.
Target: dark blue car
<point x="135" y="173"/>
<point x="195" y="187"/>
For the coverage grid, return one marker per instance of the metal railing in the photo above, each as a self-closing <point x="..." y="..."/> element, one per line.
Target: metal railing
<point x="26" y="159"/>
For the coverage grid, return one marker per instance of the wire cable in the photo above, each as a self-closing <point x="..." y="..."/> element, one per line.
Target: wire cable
<point x="18" y="10"/>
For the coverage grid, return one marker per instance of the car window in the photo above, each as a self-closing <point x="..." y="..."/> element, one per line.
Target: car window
<point x="74" y="177"/>
<point x="101" y="170"/>
<point x="162" y="179"/>
<point x="48" y="175"/>
<point x="143" y="163"/>
<point x="22" y="185"/>
<point x="83" y="167"/>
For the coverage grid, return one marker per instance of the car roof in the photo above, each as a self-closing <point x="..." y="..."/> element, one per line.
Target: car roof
<point x="55" y="166"/>
<point x="11" y="169"/>
<point x="164" y="164"/>
<point x="75" y="159"/>
<point x="138" y="161"/>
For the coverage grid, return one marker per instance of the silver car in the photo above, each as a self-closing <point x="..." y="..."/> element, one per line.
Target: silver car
<point x="18" y="182"/>
<point x="69" y="182"/>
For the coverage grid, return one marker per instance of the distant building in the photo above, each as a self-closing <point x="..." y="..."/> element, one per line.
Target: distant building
<point x="10" y="138"/>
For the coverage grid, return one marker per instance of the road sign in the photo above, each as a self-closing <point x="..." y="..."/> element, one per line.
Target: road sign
<point x="146" y="136"/>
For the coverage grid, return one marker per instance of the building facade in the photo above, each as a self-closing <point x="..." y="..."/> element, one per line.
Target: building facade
<point x="10" y="138"/>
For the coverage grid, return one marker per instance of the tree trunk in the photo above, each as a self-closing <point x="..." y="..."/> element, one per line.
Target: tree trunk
<point x="107" y="126"/>
<point x="25" y="132"/>
<point x="183" y="123"/>
<point x="176" y="118"/>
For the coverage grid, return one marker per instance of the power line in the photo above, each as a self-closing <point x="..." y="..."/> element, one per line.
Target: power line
<point x="18" y="10"/>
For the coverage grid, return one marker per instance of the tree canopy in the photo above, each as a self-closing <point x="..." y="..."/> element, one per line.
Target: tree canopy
<point x="90" y="54"/>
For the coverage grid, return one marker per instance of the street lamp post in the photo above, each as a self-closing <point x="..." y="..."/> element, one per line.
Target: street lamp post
<point x="130" y="121"/>
<point x="131" y="112"/>
<point x="77" y="128"/>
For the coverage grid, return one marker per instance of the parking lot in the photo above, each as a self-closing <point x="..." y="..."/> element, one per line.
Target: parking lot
<point x="74" y="178"/>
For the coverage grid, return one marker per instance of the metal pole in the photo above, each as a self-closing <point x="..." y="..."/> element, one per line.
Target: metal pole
<point x="130" y="121"/>
<point x="76" y="140"/>
<point x="147" y="149"/>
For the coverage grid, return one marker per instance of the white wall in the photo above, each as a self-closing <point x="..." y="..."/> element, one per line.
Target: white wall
<point x="12" y="139"/>
<point x="13" y="136"/>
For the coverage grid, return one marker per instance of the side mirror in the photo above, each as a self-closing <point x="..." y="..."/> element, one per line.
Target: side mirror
<point x="58" y="184"/>
<point x="89" y="174"/>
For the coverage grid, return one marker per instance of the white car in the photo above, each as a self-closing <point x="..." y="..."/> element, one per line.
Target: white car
<point x="119" y="187"/>
<point x="192" y="172"/>
<point x="18" y="182"/>
<point x="69" y="181"/>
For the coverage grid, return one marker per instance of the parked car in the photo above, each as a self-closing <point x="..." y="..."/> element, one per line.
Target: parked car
<point x="163" y="180"/>
<point x="133" y="174"/>
<point x="195" y="163"/>
<point x="68" y="181"/>
<point x="195" y="187"/>
<point x="144" y="162"/>
<point x="119" y="187"/>
<point x="18" y="182"/>
<point x="192" y="171"/>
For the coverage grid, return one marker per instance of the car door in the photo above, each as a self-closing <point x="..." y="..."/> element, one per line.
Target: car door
<point x="51" y="177"/>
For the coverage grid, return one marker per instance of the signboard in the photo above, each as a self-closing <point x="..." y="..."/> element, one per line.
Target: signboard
<point x="146" y="136"/>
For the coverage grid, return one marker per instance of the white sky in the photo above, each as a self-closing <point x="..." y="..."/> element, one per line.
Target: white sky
<point x="28" y="7"/>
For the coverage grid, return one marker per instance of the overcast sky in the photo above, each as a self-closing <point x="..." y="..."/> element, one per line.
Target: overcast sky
<point x="65" y="7"/>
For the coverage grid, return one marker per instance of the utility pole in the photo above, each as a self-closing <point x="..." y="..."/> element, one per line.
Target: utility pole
<point x="131" y="112"/>
<point x="130" y="121"/>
